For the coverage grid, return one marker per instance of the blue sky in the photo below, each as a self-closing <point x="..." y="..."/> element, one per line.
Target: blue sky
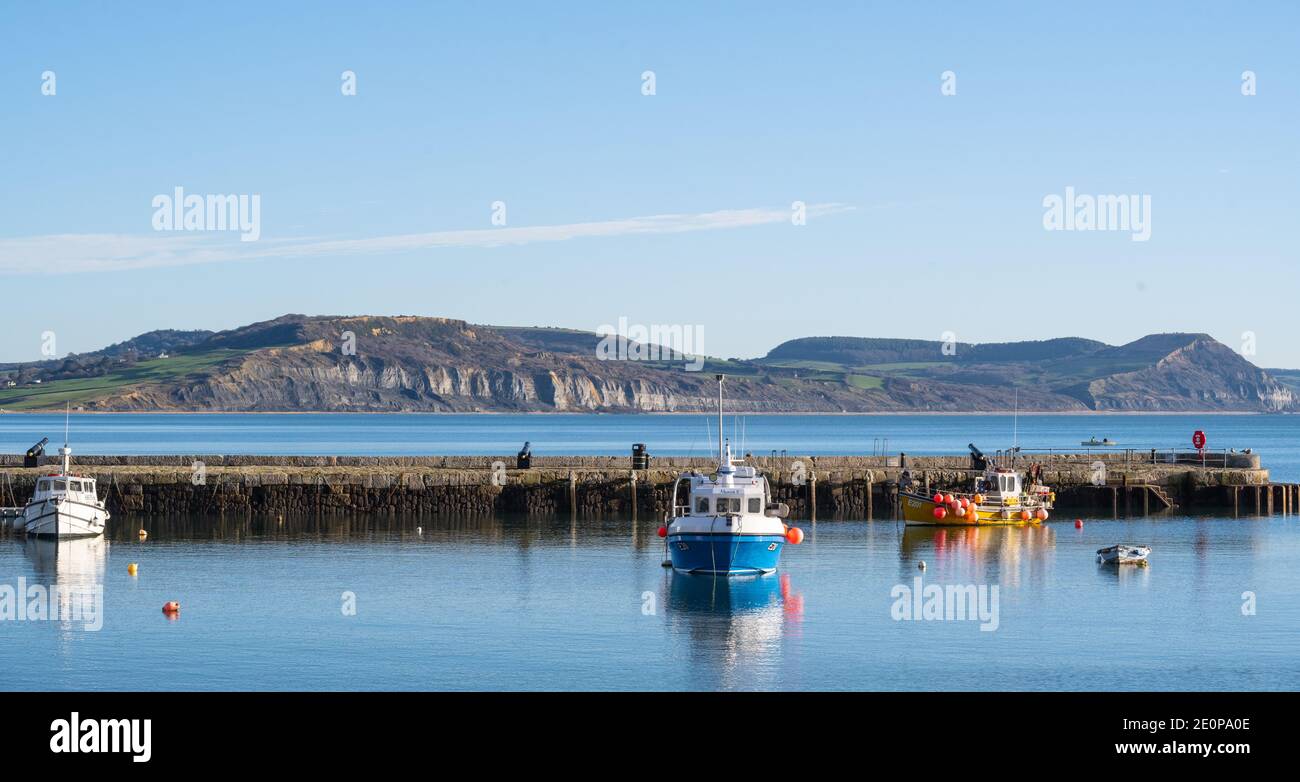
<point x="927" y="208"/>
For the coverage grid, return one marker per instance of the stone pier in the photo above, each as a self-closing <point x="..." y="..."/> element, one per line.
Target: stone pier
<point x="830" y="487"/>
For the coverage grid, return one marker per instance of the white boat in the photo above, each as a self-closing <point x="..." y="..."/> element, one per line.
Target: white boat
<point x="1123" y="554"/>
<point x="64" y="505"/>
<point x="728" y="525"/>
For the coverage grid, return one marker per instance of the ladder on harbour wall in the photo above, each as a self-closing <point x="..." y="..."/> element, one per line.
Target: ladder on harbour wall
<point x="1146" y="497"/>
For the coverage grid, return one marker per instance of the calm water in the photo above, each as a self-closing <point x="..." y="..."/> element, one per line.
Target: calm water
<point x="1276" y="437"/>
<point x="557" y="605"/>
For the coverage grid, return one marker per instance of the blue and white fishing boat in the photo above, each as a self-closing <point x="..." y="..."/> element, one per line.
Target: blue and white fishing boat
<point x="727" y="524"/>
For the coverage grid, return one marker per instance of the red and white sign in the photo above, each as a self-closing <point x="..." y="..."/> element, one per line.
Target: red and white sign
<point x="1198" y="439"/>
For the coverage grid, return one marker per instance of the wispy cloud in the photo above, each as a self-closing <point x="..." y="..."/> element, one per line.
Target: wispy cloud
<point x="74" y="253"/>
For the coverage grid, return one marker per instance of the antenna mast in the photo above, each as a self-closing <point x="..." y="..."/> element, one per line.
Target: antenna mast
<point x="721" y="455"/>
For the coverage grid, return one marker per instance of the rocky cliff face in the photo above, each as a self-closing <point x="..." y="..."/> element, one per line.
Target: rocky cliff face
<point x="299" y="363"/>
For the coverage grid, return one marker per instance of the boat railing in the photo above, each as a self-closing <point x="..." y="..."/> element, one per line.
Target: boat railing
<point x="1043" y="496"/>
<point x="1206" y="457"/>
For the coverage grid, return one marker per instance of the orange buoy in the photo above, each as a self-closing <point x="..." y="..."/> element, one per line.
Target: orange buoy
<point x="1078" y="523"/>
<point x="171" y="607"/>
<point x="1024" y="515"/>
<point x="947" y="498"/>
<point x="131" y="568"/>
<point x="794" y="536"/>
<point x="663" y="532"/>
<point x="940" y="512"/>
<point x="979" y="499"/>
<point x="1041" y="514"/>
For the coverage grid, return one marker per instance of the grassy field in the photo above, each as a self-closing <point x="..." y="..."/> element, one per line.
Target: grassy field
<point x="54" y="394"/>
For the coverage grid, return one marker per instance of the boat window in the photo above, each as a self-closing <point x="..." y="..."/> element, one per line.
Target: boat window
<point x="75" y="485"/>
<point x="728" y="505"/>
<point x="701" y="504"/>
<point x="755" y="504"/>
<point x="43" y="486"/>
<point x="60" y="485"/>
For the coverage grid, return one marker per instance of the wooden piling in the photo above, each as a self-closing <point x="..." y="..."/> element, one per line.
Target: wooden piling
<point x="871" y="488"/>
<point x="812" y="495"/>
<point x="632" y="486"/>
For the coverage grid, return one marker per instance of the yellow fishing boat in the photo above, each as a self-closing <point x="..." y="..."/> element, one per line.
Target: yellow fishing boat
<point x="1000" y="496"/>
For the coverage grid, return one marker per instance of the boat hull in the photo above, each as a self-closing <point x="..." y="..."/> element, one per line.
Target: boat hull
<point x="63" y="520"/>
<point x="725" y="554"/>
<point x="1123" y="555"/>
<point x="919" y="512"/>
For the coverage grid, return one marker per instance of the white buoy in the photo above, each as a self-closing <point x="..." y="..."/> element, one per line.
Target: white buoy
<point x="419" y="530"/>
<point x="921" y="565"/>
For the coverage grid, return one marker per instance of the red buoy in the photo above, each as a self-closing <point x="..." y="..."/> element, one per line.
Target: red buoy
<point x="938" y="498"/>
<point x="663" y="532"/>
<point x="940" y="512"/>
<point x="171" y="607"/>
<point x="794" y="535"/>
<point x="965" y="503"/>
<point x="1078" y="523"/>
<point x="947" y="498"/>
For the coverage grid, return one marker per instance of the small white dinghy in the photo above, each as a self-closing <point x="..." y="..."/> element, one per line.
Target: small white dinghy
<point x="1123" y="554"/>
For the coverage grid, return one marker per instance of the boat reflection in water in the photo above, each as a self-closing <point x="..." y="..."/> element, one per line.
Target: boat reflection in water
<point x="72" y="569"/>
<point x="735" y="626"/>
<point x="1002" y="554"/>
<point x="68" y="561"/>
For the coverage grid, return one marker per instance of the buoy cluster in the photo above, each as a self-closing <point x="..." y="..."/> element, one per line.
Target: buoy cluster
<point x="960" y="507"/>
<point x="957" y="506"/>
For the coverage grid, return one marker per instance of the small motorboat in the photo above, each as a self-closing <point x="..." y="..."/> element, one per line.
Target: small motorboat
<point x="1123" y="554"/>
<point x="64" y="505"/>
<point x="726" y="524"/>
<point x="1095" y="443"/>
<point x="999" y="495"/>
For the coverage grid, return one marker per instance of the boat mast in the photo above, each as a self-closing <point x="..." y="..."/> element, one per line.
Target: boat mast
<point x="1015" y="429"/>
<point x="67" y="452"/>
<point x="721" y="455"/>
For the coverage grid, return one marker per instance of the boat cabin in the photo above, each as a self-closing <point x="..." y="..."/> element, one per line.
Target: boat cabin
<point x="1000" y="483"/>
<point x="736" y="490"/>
<point x="73" y="487"/>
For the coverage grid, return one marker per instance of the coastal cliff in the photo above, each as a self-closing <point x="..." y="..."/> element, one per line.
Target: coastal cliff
<point x="391" y="364"/>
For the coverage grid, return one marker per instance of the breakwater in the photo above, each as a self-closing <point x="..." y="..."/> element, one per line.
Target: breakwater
<point x="1122" y="483"/>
